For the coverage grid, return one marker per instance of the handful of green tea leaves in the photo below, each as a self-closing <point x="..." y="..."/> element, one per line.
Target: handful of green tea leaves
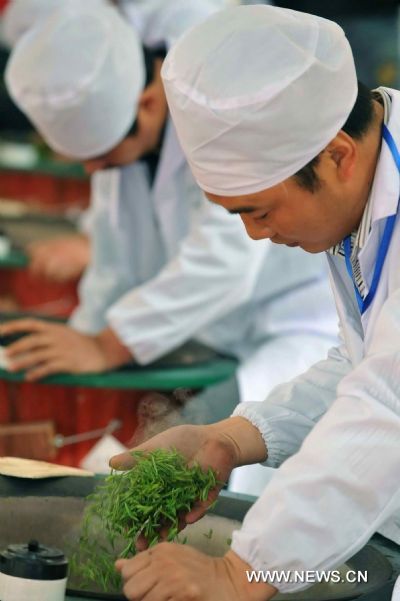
<point x="153" y="494"/>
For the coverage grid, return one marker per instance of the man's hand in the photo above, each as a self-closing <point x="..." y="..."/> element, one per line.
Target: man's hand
<point x="61" y="259"/>
<point x="198" y="445"/>
<point x="172" y="572"/>
<point x="221" y="446"/>
<point x="50" y="348"/>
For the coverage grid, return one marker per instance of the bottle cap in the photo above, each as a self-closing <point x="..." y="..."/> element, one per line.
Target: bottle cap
<point x="34" y="561"/>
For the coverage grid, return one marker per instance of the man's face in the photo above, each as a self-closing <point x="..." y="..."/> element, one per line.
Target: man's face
<point x="151" y="116"/>
<point x="126" y="152"/>
<point x="289" y="214"/>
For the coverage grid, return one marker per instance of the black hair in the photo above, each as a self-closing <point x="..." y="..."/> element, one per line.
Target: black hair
<point x="357" y="124"/>
<point x="150" y="55"/>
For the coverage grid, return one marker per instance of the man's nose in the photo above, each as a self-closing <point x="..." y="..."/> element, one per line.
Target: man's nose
<point x="257" y="232"/>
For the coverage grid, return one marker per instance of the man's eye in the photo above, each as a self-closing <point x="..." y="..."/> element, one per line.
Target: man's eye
<point x="262" y="217"/>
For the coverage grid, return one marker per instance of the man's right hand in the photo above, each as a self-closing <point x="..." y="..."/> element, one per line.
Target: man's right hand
<point x="221" y="446"/>
<point x="61" y="259"/>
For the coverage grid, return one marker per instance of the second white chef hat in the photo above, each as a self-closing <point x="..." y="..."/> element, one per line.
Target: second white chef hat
<point x="21" y="15"/>
<point x="78" y="76"/>
<point x="256" y="92"/>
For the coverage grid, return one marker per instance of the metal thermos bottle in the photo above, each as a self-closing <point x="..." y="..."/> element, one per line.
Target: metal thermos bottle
<point x="32" y="572"/>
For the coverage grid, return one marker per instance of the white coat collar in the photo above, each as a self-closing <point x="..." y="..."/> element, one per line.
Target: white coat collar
<point x="171" y="158"/>
<point x="386" y="185"/>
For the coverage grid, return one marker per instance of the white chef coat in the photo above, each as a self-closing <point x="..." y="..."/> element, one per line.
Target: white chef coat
<point x="158" y="21"/>
<point x="167" y="265"/>
<point x="335" y="431"/>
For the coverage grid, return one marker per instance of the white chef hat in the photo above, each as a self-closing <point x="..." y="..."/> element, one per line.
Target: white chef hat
<point x="78" y="76"/>
<point x="21" y="15"/>
<point x="255" y="93"/>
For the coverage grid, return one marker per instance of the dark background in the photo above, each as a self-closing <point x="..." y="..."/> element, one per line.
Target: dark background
<point x="372" y="27"/>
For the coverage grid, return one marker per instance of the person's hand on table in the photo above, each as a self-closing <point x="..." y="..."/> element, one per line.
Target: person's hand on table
<point x="61" y="259"/>
<point x="49" y="348"/>
<point x="173" y="572"/>
<point x="221" y="446"/>
<point x="8" y="304"/>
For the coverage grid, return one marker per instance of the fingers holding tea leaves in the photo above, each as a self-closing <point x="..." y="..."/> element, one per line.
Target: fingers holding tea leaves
<point x="185" y="439"/>
<point x="141" y="506"/>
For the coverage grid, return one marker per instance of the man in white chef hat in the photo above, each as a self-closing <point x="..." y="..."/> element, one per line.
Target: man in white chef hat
<point x="61" y="258"/>
<point x="277" y="130"/>
<point x="167" y="265"/>
<point x="64" y="258"/>
<point x="21" y="15"/>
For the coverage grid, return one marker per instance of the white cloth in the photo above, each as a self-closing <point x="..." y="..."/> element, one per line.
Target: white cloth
<point x="279" y="360"/>
<point x="336" y="428"/>
<point x="98" y="458"/>
<point x="244" y="134"/>
<point x="21" y="15"/>
<point x="171" y="266"/>
<point x="78" y="75"/>
<point x="159" y="22"/>
<point x="396" y="591"/>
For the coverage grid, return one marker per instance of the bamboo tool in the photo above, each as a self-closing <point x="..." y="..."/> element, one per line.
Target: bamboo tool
<point x="63" y="441"/>
<point x="33" y="470"/>
<point x="33" y="440"/>
<point x="38" y="440"/>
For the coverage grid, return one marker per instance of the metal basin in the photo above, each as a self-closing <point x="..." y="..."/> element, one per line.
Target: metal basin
<point x="51" y="511"/>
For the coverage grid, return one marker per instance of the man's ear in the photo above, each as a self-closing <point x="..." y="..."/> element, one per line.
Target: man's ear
<point x="152" y="97"/>
<point x="342" y="151"/>
<point x="147" y="97"/>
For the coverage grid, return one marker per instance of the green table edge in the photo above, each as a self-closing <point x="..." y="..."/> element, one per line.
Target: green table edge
<point x="231" y="505"/>
<point x="143" y="378"/>
<point x="15" y="259"/>
<point x="47" y="167"/>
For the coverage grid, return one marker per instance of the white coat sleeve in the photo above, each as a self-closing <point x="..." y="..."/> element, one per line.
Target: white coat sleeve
<point x="326" y="501"/>
<point x="85" y="222"/>
<point x="214" y="272"/>
<point x="108" y="274"/>
<point x="292" y="409"/>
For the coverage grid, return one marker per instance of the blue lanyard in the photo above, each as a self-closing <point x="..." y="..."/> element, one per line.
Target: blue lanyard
<point x="363" y="304"/>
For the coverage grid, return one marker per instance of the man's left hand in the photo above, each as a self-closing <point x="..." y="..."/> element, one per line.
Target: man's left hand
<point x="173" y="572"/>
<point x="49" y="348"/>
